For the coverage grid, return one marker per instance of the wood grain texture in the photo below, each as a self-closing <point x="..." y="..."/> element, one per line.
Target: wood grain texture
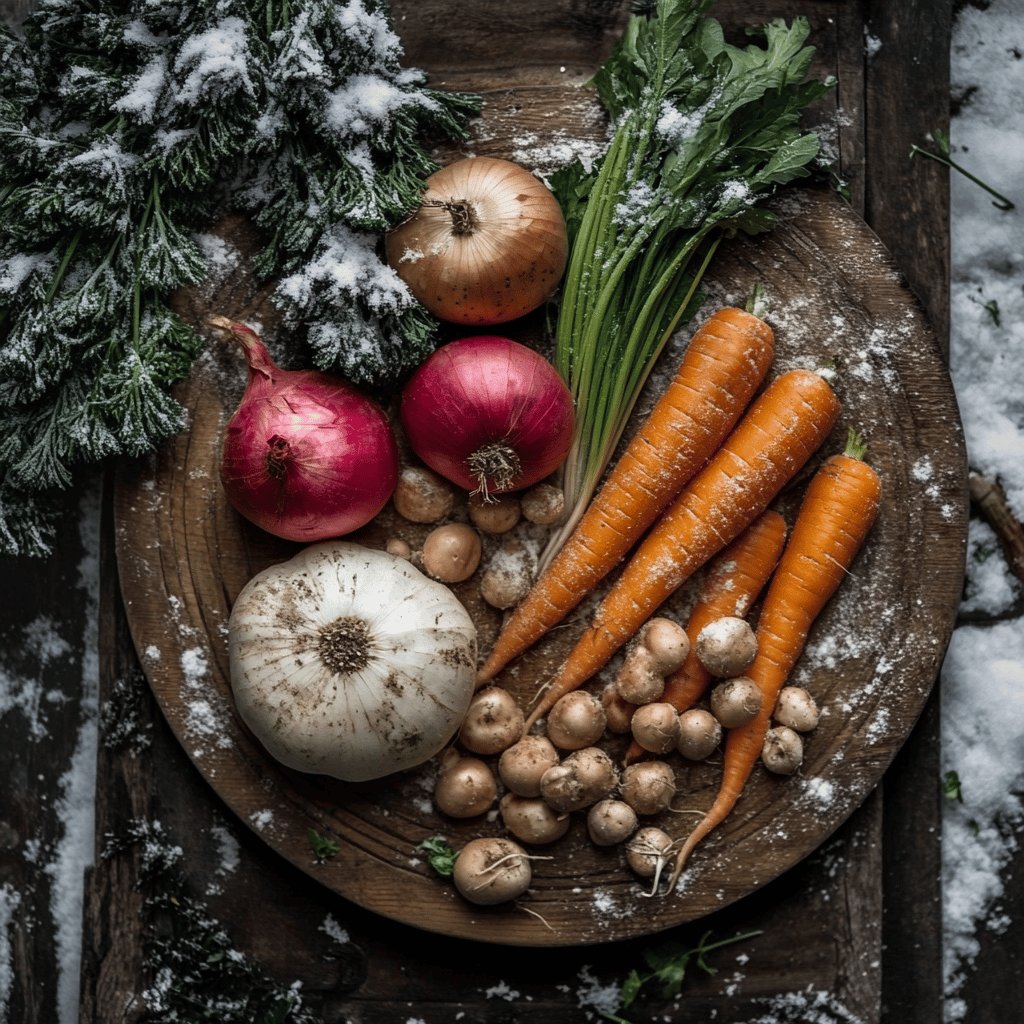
<point x="907" y="203"/>
<point x="113" y="939"/>
<point x="826" y="905"/>
<point x="184" y="555"/>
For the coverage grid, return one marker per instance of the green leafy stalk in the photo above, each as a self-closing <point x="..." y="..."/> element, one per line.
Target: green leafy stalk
<point x="704" y="132"/>
<point x="944" y="156"/>
<point x="668" y="964"/>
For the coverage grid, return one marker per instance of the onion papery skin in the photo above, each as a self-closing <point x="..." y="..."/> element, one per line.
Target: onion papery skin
<point x="403" y="691"/>
<point x="306" y="457"/>
<point x="508" y="260"/>
<point x="482" y="391"/>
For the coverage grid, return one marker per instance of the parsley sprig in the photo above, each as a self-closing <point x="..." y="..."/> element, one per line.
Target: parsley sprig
<point x="440" y="856"/>
<point x="668" y="964"/>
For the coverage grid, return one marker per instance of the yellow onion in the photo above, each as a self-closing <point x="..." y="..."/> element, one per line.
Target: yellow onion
<point x="487" y="245"/>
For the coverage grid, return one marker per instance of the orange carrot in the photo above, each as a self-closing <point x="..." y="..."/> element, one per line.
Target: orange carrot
<point x="731" y="586"/>
<point x="837" y="512"/>
<point x="777" y="436"/>
<point x="723" y="367"/>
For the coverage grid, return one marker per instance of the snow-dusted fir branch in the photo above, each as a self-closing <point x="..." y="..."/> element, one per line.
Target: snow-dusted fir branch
<point x="124" y="127"/>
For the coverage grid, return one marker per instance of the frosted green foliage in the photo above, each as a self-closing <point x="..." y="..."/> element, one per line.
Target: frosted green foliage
<point x="125" y="127"/>
<point x="384" y="326"/>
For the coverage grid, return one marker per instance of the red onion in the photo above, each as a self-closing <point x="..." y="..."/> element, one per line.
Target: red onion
<point x="489" y="414"/>
<point x="306" y="457"/>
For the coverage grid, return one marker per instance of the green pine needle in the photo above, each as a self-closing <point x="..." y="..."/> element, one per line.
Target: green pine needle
<point x="125" y="131"/>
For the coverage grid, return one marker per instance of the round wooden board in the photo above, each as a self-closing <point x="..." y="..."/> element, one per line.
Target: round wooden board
<point x="872" y="658"/>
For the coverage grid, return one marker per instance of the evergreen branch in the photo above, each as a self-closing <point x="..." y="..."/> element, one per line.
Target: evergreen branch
<point x="124" y="129"/>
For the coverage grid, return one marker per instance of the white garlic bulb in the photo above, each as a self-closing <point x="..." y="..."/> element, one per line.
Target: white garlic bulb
<point x="350" y="662"/>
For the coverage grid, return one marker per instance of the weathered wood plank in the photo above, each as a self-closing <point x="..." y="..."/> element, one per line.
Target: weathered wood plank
<point x="43" y="618"/>
<point x="907" y="203"/>
<point x="115" y="916"/>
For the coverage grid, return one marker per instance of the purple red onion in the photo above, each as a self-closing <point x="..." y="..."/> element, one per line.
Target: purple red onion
<point x="489" y="414"/>
<point x="306" y="456"/>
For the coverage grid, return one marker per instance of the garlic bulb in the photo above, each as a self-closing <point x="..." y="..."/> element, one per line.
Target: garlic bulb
<point x="350" y="662"/>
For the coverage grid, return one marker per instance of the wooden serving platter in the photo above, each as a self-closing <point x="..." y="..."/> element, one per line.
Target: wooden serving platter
<point x="184" y="555"/>
<point x="840" y="306"/>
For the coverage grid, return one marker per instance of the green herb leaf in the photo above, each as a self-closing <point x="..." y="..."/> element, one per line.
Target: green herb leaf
<point x="440" y="855"/>
<point x="668" y="963"/>
<point x="323" y="848"/>
<point x="630" y="988"/>
<point x="951" y="787"/>
<point x="121" y="143"/>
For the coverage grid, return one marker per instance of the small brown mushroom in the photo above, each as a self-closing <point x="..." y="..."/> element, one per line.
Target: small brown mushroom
<point x="610" y="822"/>
<point x="699" y="734"/>
<point x="727" y="646"/>
<point x="576" y="721"/>
<point x="783" y="750"/>
<point x="451" y="553"/>
<point x="493" y="722"/>
<point x="532" y="820"/>
<point x="465" y="787"/>
<point x="796" y="708"/>
<point x="522" y="765"/>
<point x="648" y="787"/>
<point x="618" y="713"/>
<point x="736" y="701"/>
<point x="668" y="643"/>
<point x="495" y="514"/>
<point x="507" y="579"/>
<point x="582" y="779"/>
<point x="421" y="496"/>
<point x="543" y="505"/>
<point x="656" y="727"/>
<point x="638" y="681"/>
<point x="647" y="852"/>
<point x="398" y="547"/>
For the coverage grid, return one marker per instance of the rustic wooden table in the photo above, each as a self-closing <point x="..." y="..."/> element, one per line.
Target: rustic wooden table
<point x="860" y="919"/>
